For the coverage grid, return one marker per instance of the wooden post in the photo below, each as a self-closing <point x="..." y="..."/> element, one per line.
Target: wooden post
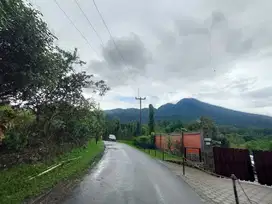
<point x="200" y="156"/>
<point x="183" y="165"/>
<point x="181" y="145"/>
<point x="160" y="141"/>
<point x="233" y="177"/>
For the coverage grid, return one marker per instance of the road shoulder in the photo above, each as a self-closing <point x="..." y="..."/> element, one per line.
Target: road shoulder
<point x="63" y="188"/>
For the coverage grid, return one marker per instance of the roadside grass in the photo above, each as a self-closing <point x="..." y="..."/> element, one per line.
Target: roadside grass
<point x="158" y="154"/>
<point x="15" y="185"/>
<point x="128" y="142"/>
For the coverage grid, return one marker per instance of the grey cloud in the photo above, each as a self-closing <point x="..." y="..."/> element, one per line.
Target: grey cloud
<point x="261" y="93"/>
<point x="190" y="26"/>
<point x="260" y="97"/>
<point x="257" y="103"/>
<point x="197" y="47"/>
<point x="236" y="43"/>
<point x="213" y="94"/>
<point x="184" y="52"/>
<point x="218" y="20"/>
<point x="131" y="51"/>
<point x="153" y="100"/>
<point x="241" y="84"/>
<point x="177" y="33"/>
<point x="120" y="68"/>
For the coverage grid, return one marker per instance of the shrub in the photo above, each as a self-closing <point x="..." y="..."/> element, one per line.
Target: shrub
<point x="18" y="129"/>
<point x="15" y="140"/>
<point x="143" y="142"/>
<point x="153" y="138"/>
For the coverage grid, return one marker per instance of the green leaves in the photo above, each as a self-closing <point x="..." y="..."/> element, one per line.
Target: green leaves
<point x="25" y="41"/>
<point x="33" y="69"/>
<point x="40" y="79"/>
<point x="151" y="122"/>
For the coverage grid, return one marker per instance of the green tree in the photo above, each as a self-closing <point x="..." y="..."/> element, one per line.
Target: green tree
<point x="207" y="125"/>
<point x="26" y="51"/>
<point x="153" y="139"/>
<point x="174" y="126"/>
<point x="225" y="142"/>
<point x="35" y="72"/>
<point x="270" y="146"/>
<point x="151" y="122"/>
<point x="38" y="76"/>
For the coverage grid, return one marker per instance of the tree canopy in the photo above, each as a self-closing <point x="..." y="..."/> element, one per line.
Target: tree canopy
<point x="151" y="122"/>
<point x="41" y="92"/>
<point x="33" y="70"/>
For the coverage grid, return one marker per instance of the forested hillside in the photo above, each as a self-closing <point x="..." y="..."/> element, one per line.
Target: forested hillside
<point x="189" y="110"/>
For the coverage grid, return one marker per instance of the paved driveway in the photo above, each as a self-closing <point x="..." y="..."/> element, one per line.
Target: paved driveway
<point x="126" y="175"/>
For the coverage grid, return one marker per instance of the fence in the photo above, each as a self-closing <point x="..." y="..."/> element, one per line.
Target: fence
<point x="221" y="187"/>
<point x="222" y="161"/>
<point x="188" y="143"/>
<point x="193" y="154"/>
<point x="263" y="166"/>
<point x="230" y="161"/>
<point x="208" y="161"/>
<point x="162" y="140"/>
<point x="215" y="188"/>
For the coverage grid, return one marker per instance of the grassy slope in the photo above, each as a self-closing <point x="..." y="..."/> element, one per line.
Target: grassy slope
<point x="154" y="153"/>
<point x="15" y="185"/>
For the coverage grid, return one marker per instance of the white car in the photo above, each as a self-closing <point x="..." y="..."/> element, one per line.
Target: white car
<point x="112" y="138"/>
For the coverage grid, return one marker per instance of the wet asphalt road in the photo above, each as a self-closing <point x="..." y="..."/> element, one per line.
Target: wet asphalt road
<point x="127" y="176"/>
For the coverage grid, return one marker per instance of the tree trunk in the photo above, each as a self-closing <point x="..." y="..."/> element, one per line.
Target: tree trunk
<point x="96" y="139"/>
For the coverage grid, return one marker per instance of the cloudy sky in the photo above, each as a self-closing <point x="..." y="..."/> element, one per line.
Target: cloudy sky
<point x="217" y="51"/>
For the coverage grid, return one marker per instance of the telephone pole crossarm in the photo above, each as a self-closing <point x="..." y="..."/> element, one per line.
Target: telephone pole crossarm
<point x="140" y="119"/>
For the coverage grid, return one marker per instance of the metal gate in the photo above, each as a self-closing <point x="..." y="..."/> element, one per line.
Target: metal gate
<point x="233" y="161"/>
<point x="263" y="166"/>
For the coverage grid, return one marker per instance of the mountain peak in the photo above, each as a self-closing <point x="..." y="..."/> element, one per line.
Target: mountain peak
<point x="190" y="109"/>
<point x="188" y="100"/>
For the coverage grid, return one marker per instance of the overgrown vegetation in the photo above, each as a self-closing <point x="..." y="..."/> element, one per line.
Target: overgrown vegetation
<point x="15" y="184"/>
<point x="43" y="112"/>
<point x="155" y="153"/>
<point x="44" y="116"/>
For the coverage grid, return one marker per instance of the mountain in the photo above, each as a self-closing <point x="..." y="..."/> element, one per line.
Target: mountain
<point x="190" y="109"/>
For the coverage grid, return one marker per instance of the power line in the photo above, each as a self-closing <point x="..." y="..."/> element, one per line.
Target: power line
<point x="76" y="27"/>
<point x="86" y="17"/>
<point x="105" y="24"/>
<point x="90" y="23"/>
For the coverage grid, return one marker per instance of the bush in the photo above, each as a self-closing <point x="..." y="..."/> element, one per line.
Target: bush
<point x="18" y="123"/>
<point x="15" y="140"/>
<point x="143" y="142"/>
<point x="7" y="114"/>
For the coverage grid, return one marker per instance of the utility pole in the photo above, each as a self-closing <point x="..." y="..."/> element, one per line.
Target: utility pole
<point x="140" y="119"/>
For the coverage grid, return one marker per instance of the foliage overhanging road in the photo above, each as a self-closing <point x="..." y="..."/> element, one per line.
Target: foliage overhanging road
<point x="126" y="175"/>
